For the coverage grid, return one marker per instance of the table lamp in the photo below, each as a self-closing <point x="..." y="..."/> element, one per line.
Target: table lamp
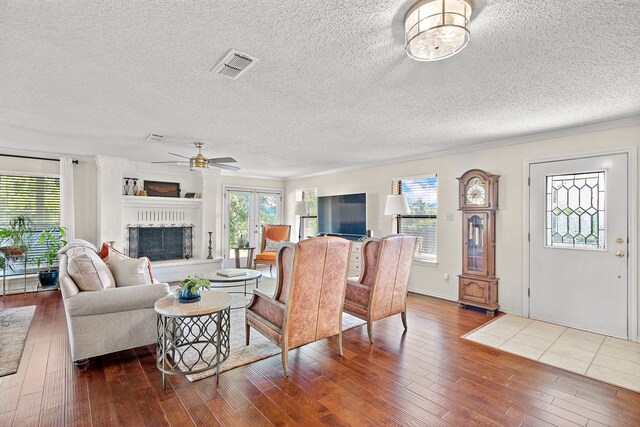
<point x="302" y="210"/>
<point x="396" y="204"/>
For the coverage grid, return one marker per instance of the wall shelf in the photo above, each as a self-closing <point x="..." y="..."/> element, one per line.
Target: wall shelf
<point x="157" y="201"/>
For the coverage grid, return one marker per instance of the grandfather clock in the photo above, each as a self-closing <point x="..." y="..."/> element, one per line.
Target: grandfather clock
<point x="478" y="284"/>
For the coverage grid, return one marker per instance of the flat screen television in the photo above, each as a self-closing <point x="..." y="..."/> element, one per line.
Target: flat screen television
<point x="344" y="214"/>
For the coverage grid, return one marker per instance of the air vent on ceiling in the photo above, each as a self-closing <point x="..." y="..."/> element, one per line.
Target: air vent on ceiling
<point x="155" y="137"/>
<point x="234" y="64"/>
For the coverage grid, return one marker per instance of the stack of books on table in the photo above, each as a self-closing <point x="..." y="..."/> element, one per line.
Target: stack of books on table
<point x="232" y="272"/>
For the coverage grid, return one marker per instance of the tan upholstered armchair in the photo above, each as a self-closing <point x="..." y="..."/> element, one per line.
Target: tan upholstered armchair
<point x="277" y="233"/>
<point x="307" y="303"/>
<point x="381" y="289"/>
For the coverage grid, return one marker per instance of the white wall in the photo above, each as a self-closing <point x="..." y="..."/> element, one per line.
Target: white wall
<point x="505" y="161"/>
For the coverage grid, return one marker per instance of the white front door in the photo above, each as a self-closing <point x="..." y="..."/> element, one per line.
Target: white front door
<point x="578" y="243"/>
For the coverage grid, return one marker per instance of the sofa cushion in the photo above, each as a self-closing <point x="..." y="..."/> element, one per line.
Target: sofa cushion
<point x="88" y="271"/>
<point x="129" y="271"/>
<point x="77" y="243"/>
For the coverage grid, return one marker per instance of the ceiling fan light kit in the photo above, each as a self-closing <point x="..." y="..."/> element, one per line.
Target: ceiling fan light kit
<point x="437" y="29"/>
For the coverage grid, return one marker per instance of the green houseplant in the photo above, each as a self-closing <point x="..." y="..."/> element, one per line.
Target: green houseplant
<point x="52" y="240"/>
<point x="190" y="288"/>
<point x="13" y="238"/>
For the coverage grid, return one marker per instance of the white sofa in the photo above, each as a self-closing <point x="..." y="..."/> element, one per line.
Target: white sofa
<point x="108" y="320"/>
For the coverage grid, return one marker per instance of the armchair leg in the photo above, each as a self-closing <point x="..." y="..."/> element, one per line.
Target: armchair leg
<point x="370" y="331"/>
<point x="270" y="269"/>
<point x="247" y="333"/>
<point x="340" y="343"/>
<point x="285" y="360"/>
<point x="81" y="364"/>
<point x="404" y="319"/>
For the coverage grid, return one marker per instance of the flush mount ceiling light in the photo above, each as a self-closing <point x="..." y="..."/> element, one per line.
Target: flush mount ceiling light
<point x="437" y="29"/>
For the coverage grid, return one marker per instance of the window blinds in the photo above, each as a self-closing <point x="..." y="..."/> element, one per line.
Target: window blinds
<point x="36" y="198"/>
<point x="422" y="197"/>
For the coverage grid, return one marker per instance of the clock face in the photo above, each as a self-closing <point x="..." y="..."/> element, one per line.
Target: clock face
<point x="476" y="193"/>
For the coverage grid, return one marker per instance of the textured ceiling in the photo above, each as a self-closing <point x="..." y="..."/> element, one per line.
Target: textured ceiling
<point x="333" y="86"/>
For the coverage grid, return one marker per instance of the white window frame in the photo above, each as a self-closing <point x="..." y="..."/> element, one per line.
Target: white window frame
<point x="299" y="198"/>
<point x="418" y="257"/>
<point x="225" y="209"/>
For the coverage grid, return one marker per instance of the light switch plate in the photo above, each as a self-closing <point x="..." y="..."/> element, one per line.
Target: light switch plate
<point x="449" y="217"/>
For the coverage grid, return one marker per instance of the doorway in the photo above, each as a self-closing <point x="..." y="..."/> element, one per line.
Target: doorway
<point x="246" y="211"/>
<point x="579" y="243"/>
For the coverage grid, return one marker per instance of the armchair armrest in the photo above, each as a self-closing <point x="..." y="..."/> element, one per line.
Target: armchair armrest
<point x="267" y="308"/>
<point x="115" y="300"/>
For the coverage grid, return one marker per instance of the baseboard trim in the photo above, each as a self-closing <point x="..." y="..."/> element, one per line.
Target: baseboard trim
<point x="448" y="298"/>
<point x="432" y="294"/>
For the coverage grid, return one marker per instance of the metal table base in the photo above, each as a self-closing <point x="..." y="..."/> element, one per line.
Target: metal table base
<point x="182" y="338"/>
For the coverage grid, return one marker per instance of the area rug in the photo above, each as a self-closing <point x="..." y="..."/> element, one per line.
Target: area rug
<point x="596" y="356"/>
<point x="14" y="327"/>
<point x="259" y="348"/>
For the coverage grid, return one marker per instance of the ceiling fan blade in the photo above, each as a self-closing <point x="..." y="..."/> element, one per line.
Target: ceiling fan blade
<point x="173" y="163"/>
<point x="180" y="155"/>
<point x="223" y="160"/>
<point x="223" y="166"/>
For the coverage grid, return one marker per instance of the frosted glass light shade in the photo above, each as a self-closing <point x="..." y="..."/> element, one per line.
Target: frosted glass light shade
<point x="301" y="209"/>
<point x="437" y="29"/>
<point x="396" y="205"/>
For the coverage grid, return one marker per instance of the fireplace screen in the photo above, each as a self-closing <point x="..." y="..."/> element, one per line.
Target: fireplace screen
<point x="161" y="243"/>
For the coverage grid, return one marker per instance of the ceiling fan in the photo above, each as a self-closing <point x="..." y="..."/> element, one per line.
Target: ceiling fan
<point x="200" y="162"/>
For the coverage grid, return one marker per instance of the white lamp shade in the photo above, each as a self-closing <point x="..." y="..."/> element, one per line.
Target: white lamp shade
<point x="301" y="209"/>
<point x="396" y="205"/>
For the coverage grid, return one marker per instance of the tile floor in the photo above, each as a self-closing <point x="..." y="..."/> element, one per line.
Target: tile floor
<point x="607" y="359"/>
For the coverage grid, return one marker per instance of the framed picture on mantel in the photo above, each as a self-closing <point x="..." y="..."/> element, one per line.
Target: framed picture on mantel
<point x="162" y="189"/>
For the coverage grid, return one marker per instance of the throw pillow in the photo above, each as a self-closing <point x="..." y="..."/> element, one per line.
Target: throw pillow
<point x="116" y="252"/>
<point x="129" y="271"/>
<point x="88" y="271"/>
<point x="104" y="251"/>
<point x="271" y="245"/>
<point x="77" y="243"/>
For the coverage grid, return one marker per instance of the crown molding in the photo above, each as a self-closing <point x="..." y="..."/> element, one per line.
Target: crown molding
<point x="482" y="144"/>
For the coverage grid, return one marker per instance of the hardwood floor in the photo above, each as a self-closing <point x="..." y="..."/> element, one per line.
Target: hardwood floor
<point x="429" y="376"/>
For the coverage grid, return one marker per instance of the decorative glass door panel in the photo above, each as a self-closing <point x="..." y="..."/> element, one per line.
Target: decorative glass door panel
<point x="575" y="213"/>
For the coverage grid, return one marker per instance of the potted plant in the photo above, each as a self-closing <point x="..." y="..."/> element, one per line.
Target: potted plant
<point x="14" y="237"/>
<point x="190" y="288"/>
<point x="53" y="241"/>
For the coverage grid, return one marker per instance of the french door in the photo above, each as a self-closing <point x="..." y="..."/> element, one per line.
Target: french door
<point x="579" y="243"/>
<point x="246" y="211"/>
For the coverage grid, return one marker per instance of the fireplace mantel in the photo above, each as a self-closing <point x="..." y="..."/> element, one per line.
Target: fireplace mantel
<point x="160" y="201"/>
